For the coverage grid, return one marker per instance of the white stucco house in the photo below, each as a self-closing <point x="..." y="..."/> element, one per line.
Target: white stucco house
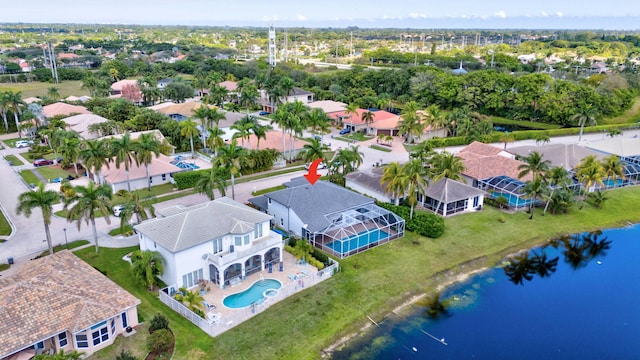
<point x="222" y="241"/>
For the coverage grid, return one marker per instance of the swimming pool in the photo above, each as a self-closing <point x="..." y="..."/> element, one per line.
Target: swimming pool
<point x="354" y="242"/>
<point x="186" y="165"/>
<point x="512" y="200"/>
<point x="254" y="294"/>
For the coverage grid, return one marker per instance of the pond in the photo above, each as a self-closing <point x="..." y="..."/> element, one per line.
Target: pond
<point x="577" y="298"/>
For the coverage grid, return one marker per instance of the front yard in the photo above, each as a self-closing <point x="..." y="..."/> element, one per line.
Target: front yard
<point x="374" y="282"/>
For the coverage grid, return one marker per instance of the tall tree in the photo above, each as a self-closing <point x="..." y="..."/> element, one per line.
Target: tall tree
<point x="145" y="147"/>
<point x="314" y="150"/>
<point x="280" y="118"/>
<point x="416" y="181"/>
<point x="587" y="115"/>
<point x="86" y="203"/>
<point x="351" y="111"/>
<point x="142" y="208"/>
<point x="15" y="104"/>
<point x="367" y="117"/>
<point x="43" y="199"/>
<point x="53" y="93"/>
<point x="122" y="149"/>
<point x="215" y="139"/>
<point x="318" y="120"/>
<point x="146" y="266"/>
<point x="211" y="180"/>
<point x="534" y="165"/>
<point x="232" y="157"/>
<point x="71" y="150"/>
<point x="411" y="124"/>
<point x="590" y="172"/>
<point x="613" y="168"/>
<point x="534" y="188"/>
<point x="189" y="129"/>
<point x="4" y="107"/>
<point x="247" y="94"/>
<point x="394" y="181"/>
<point x="95" y="154"/>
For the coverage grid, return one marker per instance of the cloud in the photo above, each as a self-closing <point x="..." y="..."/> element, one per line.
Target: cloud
<point x="417" y="16"/>
<point x="544" y="13"/>
<point x="301" y="17"/>
<point x="560" y="14"/>
<point x="501" y="14"/>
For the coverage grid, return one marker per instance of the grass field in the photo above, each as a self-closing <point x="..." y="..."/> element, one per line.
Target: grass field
<point x="29" y="177"/>
<point x="380" y="148"/>
<point x="53" y="171"/>
<point x="375" y="282"/>
<point x="39" y="89"/>
<point x="630" y="116"/>
<point x="525" y="124"/>
<point x="14" y="160"/>
<point x="5" y="228"/>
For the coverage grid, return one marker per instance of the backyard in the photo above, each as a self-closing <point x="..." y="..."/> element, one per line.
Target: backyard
<point x="375" y="282"/>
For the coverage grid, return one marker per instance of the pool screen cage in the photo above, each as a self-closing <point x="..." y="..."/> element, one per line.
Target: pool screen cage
<point x="358" y="229"/>
<point x="507" y="187"/>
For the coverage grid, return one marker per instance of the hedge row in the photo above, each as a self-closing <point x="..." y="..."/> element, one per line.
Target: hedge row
<point x="423" y="223"/>
<point x="188" y="179"/>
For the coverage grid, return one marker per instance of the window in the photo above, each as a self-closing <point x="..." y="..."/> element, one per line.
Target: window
<point x="191" y="279"/>
<point x="81" y="341"/>
<point x="281" y="222"/>
<point x="217" y="245"/>
<point x="164" y="177"/>
<point x="237" y="240"/>
<point x="125" y="323"/>
<point x="151" y="179"/>
<point x="62" y="339"/>
<point x="257" y="233"/>
<point x="40" y="345"/>
<point x="246" y="239"/>
<point x="112" y="325"/>
<point x="476" y="201"/>
<point x="269" y="200"/>
<point x="99" y="336"/>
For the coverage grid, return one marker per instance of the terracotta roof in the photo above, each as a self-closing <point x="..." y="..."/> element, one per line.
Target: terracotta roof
<point x="274" y="141"/>
<point x="328" y="106"/>
<point x="53" y="294"/>
<point x="80" y="124"/>
<point x="68" y="56"/>
<point x="118" y="85"/>
<point x="61" y="108"/>
<point x="31" y="99"/>
<point x="160" y="165"/>
<point x="389" y="123"/>
<point x="482" y="161"/>
<point x="357" y="119"/>
<point x="229" y="85"/>
<point x="184" y="109"/>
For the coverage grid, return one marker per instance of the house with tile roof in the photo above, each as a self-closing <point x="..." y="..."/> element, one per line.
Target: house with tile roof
<point x="297" y="94"/>
<point x="222" y="241"/>
<point x="59" y="302"/>
<point x="179" y="112"/>
<point x="161" y="171"/>
<point x="332" y="218"/>
<point x="63" y="109"/>
<point x="483" y="161"/>
<point x="328" y="106"/>
<point x="355" y="122"/>
<point x="80" y="124"/>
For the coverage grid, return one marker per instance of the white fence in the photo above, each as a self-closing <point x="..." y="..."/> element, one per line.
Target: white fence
<point x="242" y="315"/>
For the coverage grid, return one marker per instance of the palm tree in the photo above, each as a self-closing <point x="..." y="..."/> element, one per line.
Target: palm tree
<point x="590" y="172"/>
<point x="53" y="93"/>
<point x="244" y="127"/>
<point x="260" y="131"/>
<point x="314" y="150"/>
<point x="13" y="102"/>
<point x="247" y="94"/>
<point x="534" y="165"/>
<point x="145" y="147"/>
<point x="367" y="117"/>
<point x="94" y="154"/>
<point x="4" y="107"/>
<point x="613" y="168"/>
<point x="411" y="124"/>
<point x="280" y="118"/>
<point x="231" y="157"/>
<point x="217" y="95"/>
<point x="86" y="203"/>
<point x="146" y="266"/>
<point x="598" y="197"/>
<point x="446" y="165"/>
<point x="350" y="111"/>
<point x="394" y="181"/>
<point x="557" y="177"/>
<point x="298" y="112"/>
<point x="203" y="113"/>
<point x="534" y="188"/>
<point x="122" y="149"/>
<point x="587" y="115"/>
<point x="211" y="180"/>
<point x="189" y="128"/>
<point x="416" y="181"/>
<point x="317" y="120"/>
<point x="142" y="208"/>
<point x="43" y="199"/>
<point x="506" y="138"/>
<point x="71" y="150"/>
<point x="215" y="139"/>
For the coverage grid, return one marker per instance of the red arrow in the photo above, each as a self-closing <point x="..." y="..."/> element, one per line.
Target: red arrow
<point x="313" y="176"/>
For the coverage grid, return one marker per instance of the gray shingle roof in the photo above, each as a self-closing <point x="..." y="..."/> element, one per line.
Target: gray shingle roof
<point x="448" y="191"/>
<point x="260" y="202"/>
<point x="312" y="202"/>
<point x="181" y="230"/>
<point x="368" y="178"/>
<point x="566" y="155"/>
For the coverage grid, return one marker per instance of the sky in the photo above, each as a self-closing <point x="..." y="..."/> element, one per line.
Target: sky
<point x="560" y="14"/>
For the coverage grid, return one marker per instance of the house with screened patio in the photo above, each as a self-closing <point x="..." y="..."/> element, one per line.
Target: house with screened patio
<point x="221" y="241"/>
<point x="337" y="220"/>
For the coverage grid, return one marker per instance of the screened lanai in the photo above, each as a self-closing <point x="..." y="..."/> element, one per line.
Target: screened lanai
<point x="507" y="187"/>
<point x="357" y="229"/>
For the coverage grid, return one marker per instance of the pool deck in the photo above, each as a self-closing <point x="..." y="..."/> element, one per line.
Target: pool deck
<point x="215" y="296"/>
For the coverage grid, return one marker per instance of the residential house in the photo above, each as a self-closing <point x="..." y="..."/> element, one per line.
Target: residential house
<point x="297" y="94"/>
<point x="527" y="58"/>
<point x="599" y="67"/>
<point x="179" y="112"/>
<point x="332" y="218"/>
<point x="367" y="182"/>
<point x="222" y="241"/>
<point x="483" y="161"/>
<point x="447" y="197"/>
<point x="63" y="109"/>
<point x="31" y="99"/>
<point x="356" y="123"/>
<point x="59" y="302"/>
<point x="162" y="83"/>
<point x="328" y="106"/>
<point x="567" y="156"/>
<point x="274" y="141"/>
<point x="80" y="124"/>
<point x="117" y="87"/>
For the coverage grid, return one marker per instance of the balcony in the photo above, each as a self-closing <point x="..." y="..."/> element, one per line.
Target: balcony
<point x="225" y="258"/>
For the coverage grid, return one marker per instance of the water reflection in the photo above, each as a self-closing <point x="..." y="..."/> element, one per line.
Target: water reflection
<point x="435" y="307"/>
<point x="577" y="249"/>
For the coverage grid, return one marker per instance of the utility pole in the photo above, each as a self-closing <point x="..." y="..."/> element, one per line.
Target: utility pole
<point x="54" y="67"/>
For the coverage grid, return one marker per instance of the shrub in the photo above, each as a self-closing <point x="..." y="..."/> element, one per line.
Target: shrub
<point x="188" y="179"/>
<point x="423" y="223"/>
<point x="159" y="322"/>
<point x="160" y="341"/>
<point x="125" y="355"/>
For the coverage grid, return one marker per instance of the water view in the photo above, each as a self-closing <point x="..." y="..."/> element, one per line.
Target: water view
<point x="577" y="298"/>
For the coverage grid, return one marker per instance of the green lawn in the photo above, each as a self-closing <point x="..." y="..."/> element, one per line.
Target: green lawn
<point x="10" y="142"/>
<point x="259" y="176"/>
<point x="630" y="116"/>
<point x="358" y="136"/>
<point x="381" y="148"/>
<point x="15" y="161"/>
<point x="533" y="125"/>
<point x="29" y="177"/>
<point x="5" y="227"/>
<point x="71" y="245"/>
<point x="52" y="172"/>
<point x="377" y="280"/>
<point x="39" y="89"/>
<point x="144" y="193"/>
<point x="268" y="190"/>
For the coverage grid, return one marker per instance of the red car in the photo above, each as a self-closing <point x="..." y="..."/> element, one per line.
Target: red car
<point x="42" y="162"/>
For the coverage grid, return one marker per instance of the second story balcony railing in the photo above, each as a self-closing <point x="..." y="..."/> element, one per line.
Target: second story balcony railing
<point x="226" y="257"/>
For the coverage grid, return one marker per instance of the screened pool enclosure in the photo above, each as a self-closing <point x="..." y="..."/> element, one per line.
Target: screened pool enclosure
<point x="358" y="229"/>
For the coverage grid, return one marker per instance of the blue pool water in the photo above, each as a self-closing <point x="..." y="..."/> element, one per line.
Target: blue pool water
<point x="186" y="165"/>
<point x="354" y="242"/>
<point x="512" y="200"/>
<point x="583" y="307"/>
<point x="251" y="295"/>
<point x="613" y="183"/>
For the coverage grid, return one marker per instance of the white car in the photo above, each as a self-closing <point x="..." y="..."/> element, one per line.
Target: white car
<point x="23" y="143"/>
<point x="117" y="210"/>
<point x="321" y="165"/>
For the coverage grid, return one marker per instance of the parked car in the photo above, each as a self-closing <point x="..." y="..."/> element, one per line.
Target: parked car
<point x="23" y="143"/>
<point x="117" y="210"/>
<point x="263" y="113"/>
<point x="345" y="131"/>
<point x="321" y="165"/>
<point x="42" y="162"/>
